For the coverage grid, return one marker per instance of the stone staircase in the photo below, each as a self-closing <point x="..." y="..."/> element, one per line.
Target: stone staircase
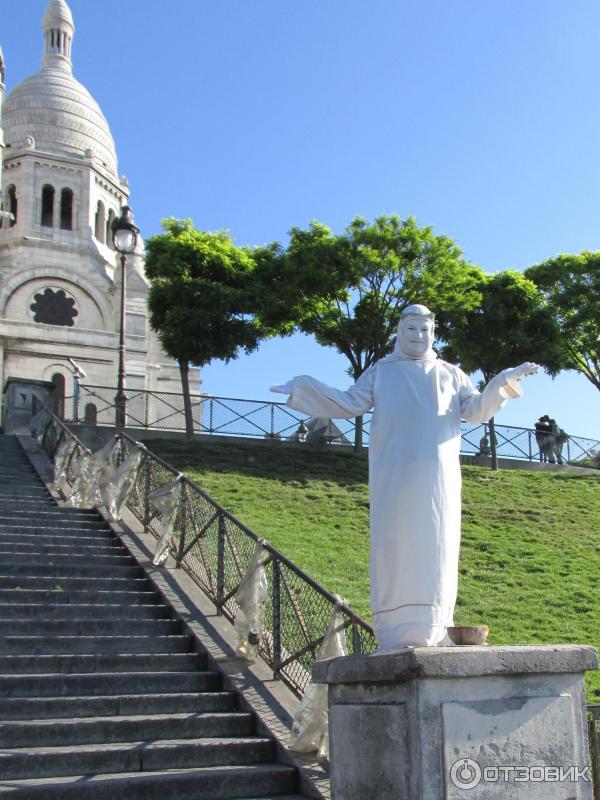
<point x="102" y="693"/>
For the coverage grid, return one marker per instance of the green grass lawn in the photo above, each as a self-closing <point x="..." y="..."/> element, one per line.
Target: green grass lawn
<point x="530" y="557"/>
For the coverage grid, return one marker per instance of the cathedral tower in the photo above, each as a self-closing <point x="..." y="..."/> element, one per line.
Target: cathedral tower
<point x="59" y="273"/>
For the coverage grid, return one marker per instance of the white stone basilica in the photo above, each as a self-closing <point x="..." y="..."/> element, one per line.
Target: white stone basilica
<point x="59" y="273"/>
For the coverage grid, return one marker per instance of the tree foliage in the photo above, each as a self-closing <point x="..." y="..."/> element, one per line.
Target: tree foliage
<point x="571" y="287"/>
<point x="509" y="326"/>
<point x="348" y="289"/>
<point x="200" y="296"/>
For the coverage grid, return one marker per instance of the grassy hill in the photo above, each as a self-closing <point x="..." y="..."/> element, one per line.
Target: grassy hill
<point x="530" y="557"/>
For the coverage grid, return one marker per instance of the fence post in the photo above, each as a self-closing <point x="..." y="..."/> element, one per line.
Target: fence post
<point x="272" y="419"/>
<point x="146" y="493"/>
<point x="276" y="618"/>
<point x="181" y="518"/>
<point x="356" y="640"/>
<point x="220" y="564"/>
<point x="210" y="416"/>
<point x="529" y="442"/>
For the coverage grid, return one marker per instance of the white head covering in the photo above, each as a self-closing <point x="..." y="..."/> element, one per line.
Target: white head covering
<point x="420" y="312"/>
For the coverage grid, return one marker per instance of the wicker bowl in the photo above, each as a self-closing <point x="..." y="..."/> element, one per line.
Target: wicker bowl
<point x="472" y="634"/>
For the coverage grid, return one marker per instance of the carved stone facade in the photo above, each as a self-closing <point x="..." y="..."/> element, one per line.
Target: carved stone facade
<point x="59" y="274"/>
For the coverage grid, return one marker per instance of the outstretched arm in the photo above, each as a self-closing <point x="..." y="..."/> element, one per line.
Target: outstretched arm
<point x="313" y="397"/>
<point x="478" y="407"/>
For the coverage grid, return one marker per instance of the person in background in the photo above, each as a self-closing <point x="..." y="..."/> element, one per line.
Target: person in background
<point x="484" y="446"/>
<point x="559" y="439"/>
<point x="543" y="435"/>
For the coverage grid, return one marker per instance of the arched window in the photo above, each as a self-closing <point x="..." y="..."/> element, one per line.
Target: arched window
<point x="90" y="414"/>
<point x="58" y="396"/>
<point x="12" y="203"/>
<point x="66" y="209"/>
<point x="109" y="222"/>
<point x="100" y="225"/>
<point x="11" y="206"/>
<point x="47" y="216"/>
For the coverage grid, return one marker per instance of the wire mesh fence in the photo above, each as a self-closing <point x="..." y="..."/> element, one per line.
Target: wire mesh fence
<point x="215" y="548"/>
<point x="227" y="416"/>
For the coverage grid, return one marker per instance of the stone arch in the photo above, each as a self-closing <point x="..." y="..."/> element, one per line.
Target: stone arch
<point x="47" y="208"/>
<point x="11" y="205"/>
<point x="109" y="221"/>
<point x="66" y="209"/>
<point x="57" y="373"/>
<point x="100" y="222"/>
<point x="50" y="275"/>
<point x="59" y="395"/>
<point x="90" y="414"/>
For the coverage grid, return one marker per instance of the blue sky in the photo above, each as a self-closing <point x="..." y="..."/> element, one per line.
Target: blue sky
<point x="480" y="119"/>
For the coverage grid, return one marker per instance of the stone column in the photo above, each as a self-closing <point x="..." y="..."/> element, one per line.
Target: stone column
<point x="459" y="723"/>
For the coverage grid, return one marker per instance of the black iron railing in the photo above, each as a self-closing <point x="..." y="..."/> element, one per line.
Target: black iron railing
<point x="228" y="416"/>
<point x="214" y="548"/>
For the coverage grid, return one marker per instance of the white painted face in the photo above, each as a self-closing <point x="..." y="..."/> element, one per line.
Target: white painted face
<point x="415" y="336"/>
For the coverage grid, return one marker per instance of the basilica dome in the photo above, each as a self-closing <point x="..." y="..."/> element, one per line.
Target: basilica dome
<point x="51" y="110"/>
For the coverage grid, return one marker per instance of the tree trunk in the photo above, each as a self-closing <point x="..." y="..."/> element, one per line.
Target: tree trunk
<point x="492" y="425"/>
<point x="358" y="434"/>
<point x="184" y="368"/>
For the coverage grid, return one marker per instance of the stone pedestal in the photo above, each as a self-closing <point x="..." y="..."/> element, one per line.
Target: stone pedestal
<point x="459" y="723"/>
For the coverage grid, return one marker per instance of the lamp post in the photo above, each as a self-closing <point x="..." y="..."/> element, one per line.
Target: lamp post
<point x="124" y="236"/>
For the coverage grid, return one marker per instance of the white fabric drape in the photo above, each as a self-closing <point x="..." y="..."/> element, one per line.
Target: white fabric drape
<point x="414" y="483"/>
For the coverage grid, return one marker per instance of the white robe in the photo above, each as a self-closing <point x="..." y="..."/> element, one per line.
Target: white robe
<point x="414" y="483"/>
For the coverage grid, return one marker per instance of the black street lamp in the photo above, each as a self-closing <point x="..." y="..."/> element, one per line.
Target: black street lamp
<point x="124" y="236"/>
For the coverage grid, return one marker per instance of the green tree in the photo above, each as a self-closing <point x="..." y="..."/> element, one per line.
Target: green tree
<point x="200" y="298"/>
<point x="348" y="289"/>
<point x="510" y="325"/>
<point x="571" y="287"/>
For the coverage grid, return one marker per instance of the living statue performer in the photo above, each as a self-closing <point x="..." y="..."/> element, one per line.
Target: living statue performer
<point x="418" y="401"/>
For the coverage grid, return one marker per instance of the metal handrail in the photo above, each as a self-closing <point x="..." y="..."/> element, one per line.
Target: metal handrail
<point x="266" y="419"/>
<point x="214" y="548"/>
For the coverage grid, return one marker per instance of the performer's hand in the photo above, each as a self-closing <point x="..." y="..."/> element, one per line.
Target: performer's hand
<point x="516" y="373"/>
<point x="283" y="388"/>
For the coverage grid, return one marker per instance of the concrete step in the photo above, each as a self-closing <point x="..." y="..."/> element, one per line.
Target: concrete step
<point x="133" y="756"/>
<point x="53" y="556"/>
<point x="27" y="708"/>
<point x="54" y="526"/>
<point x="81" y="611"/>
<point x="75" y="645"/>
<point x="24" y="492"/>
<point x="11" y="472"/>
<point x="67" y="570"/>
<point x="82" y="663"/>
<point x="67" y="537"/>
<point x="67" y="584"/>
<point x="135" y="728"/>
<point x="103" y="694"/>
<point x="18" y="597"/>
<point x="91" y="627"/>
<point x="102" y="683"/>
<point x="258" y="782"/>
<point x="50" y="511"/>
<point x="9" y="503"/>
<point x="43" y="547"/>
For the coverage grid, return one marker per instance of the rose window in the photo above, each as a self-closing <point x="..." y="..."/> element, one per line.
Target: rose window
<point x="54" y="307"/>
